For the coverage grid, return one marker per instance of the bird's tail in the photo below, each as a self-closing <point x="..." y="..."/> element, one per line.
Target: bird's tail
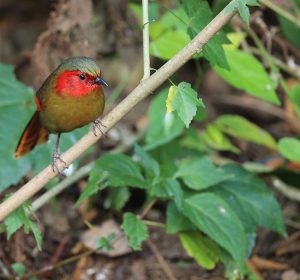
<point x="32" y="135"/>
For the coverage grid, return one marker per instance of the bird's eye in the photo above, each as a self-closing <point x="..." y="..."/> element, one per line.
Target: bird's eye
<point x="81" y="77"/>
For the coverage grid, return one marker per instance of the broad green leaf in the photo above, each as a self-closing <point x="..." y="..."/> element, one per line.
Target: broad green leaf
<point x="240" y="127"/>
<point x="163" y="127"/>
<point x="167" y="188"/>
<point x="15" y="100"/>
<point x="194" y="141"/>
<point x="250" y="199"/>
<point x="248" y="74"/>
<point x="212" y="215"/>
<point x="235" y="38"/>
<point x="149" y="164"/>
<point x="169" y="44"/>
<point x="290" y="148"/>
<point x="200" y="15"/>
<point x="290" y="30"/>
<point x="19" y="218"/>
<point x="135" y="230"/>
<point x="294" y="96"/>
<point x="122" y="171"/>
<point x="176" y="18"/>
<point x="96" y="182"/>
<point x="202" y="249"/>
<point x="116" y="198"/>
<point x="19" y="268"/>
<point x="176" y="221"/>
<point x="241" y="6"/>
<point x="200" y="173"/>
<point x="214" y="138"/>
<point x="114" y="170"/>
<point x="184" y="100"/>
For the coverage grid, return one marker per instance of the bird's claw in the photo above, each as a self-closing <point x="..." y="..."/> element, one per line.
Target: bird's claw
<point x="56" y="157"/>
<point x="98" y="125"/>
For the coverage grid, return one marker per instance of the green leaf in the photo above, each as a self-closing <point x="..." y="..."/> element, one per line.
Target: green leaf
<point x="200" y="173"/>
<point x="240" y="127"/>
<point x="163" y="127"/>
<point x="214" y="138"/>
<point x="37" y="234"/>
<point x="116" y="170"/>
<point x="104" y="243"/>
<point x="19" y="268"/>
<point x="149" y="164"/>
<point x="294" y="96"/>
<point x="184" y="100"/>
<point x="116" y="198"/>
<point x="200" y="15"/>
<point x="212" y="215"/>
<point x="18" y="219"/>
<point x="250" y="199"/>
<point x="169" y="43"/>
<point x="176" y="18"/>
<point x="290" y="30"/>
<point x="15" y="100"/>
<point x="121" y="169"/>
<point x="248" y="74"/>
<point x="135" y="230"/>
<point x="290" y="148"/>
<point x="176" y="221"/>
<point x="167" y="188"/>
<point x="97" y="181"/>
<point x="235" y="38"/>
<point x="203" y="250"/>
<point x="241" y="6"/>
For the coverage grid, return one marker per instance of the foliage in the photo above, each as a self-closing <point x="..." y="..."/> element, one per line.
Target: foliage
<point x="214" y="206"/>
<point x="20" y="219"/>
<point x="135" y="230"/>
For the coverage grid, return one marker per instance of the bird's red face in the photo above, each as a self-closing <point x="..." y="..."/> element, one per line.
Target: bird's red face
<point x="77" y="83"/>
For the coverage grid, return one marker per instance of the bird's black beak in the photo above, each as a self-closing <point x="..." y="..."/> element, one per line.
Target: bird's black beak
<point x="100" y="81"/>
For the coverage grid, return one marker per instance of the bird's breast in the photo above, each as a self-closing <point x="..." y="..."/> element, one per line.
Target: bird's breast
<point x="63" y="113"/>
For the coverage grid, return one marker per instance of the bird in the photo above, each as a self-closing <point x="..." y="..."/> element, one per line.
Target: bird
<point x="71" y="97"/>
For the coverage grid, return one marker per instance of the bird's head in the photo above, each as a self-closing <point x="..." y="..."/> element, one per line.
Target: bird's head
<point x="78" y="76"/>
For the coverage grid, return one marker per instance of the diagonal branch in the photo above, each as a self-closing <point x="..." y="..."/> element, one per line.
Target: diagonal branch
<point x="146" y="87"/>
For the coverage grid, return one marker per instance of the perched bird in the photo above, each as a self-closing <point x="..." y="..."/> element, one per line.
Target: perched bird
<point x="71" y="97"/>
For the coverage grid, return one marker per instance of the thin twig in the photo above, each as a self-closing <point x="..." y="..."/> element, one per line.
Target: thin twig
<point x="147" y="208"/>
<point x="290" y="192"/>
<point x="164" y="265"/>
<point x="144" y="89"/>
<point x="146" y="40"/>
<point x="281" y="11"/>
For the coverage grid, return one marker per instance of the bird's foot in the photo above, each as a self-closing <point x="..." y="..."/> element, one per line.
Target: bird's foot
<point x="55" y="159"/>
<point x="98" y="126"/>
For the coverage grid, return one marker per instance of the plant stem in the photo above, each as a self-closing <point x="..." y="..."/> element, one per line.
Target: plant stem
<point x="147" y="208"/>
<point x="154" y="224"/>
<point x="146" y="40"/>
<point x="281" y="11"/>
<point x="145" y="88"/>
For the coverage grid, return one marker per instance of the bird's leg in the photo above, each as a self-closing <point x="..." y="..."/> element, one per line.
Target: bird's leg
<point x="98" y="125"/>
<point x="56" y="157"/>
